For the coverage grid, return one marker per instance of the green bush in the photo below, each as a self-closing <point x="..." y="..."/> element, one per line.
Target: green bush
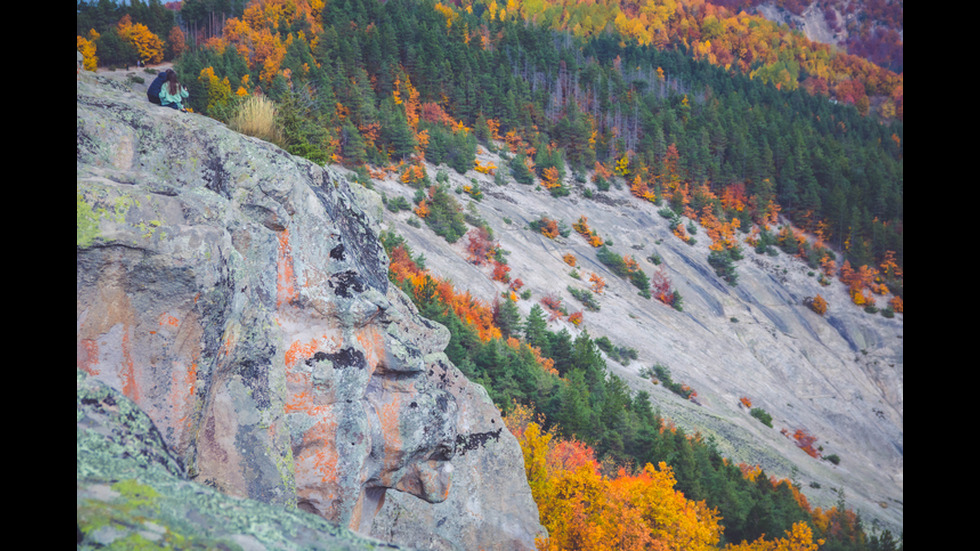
<point x="724" y="264"/>
<point x="585" y="297"/>
<point x="520" y="172"/>
<point x="762" y="416"/>
<point x="445" y="215"/>
<point x="618" y="266"/>
<point x="620" y="354"/>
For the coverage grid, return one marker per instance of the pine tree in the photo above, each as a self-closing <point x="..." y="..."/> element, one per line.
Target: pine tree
<point x="536" y="327"/>
<point x="507" y="317"/>
<point x="396" y="134"/>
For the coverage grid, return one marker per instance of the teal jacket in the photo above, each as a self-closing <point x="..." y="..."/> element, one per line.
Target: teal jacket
<point x="178" y="98"/>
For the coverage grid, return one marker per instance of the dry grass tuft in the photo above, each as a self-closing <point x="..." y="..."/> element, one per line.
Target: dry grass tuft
<point x="257" y="117"/>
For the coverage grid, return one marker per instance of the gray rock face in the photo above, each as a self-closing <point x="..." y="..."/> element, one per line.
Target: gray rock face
<point x="133" y="493"/>
<point x="239" y="297"/>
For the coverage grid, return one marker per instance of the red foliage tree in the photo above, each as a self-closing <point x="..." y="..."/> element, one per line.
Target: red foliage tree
<point x="661" y="287"/>
<point x="480" y="248"/>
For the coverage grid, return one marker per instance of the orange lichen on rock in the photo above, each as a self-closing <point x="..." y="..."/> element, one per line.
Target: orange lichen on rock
<point x="319" y="449"/>
<point x="299" y="350"/>
<point x="182" y="386"/>
<point x="373" y="344"/>
<point x="128" y="371"/>
<point x="285" y="278"/>
<point x="87" y="356"/>
<point x="389" y="415"/>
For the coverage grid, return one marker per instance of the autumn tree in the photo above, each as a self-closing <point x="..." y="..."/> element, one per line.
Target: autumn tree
<point x="480" y="247"/>
<point x="805" y="441"/>
<point x="86" y="46"/>
<point x="548" y="227"/>
<point x="662" y="290"/>
<point x="818" y="304"/>
<point x="148" y="46"/>
<point x="798" y="538"/>
<point x="598" y="283"/>
<point x="177" y="42"/>
<point x="585" y="509"/>
<point x="501" y="272"/>
<point x="582" y="227"/>
<point x="217" y="92"/>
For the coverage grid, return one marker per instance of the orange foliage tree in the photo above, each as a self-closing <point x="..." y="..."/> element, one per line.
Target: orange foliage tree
<point x="554" y="306"/>
<point x="818" y="304"/>
<point x="640" y="189"/>
<point x="805" y="441"/>
<point x="501" y="272"/>
<point x="427" y="289"/>
<point x="258" y="35"/>
<point x="481" y="248"/>
<point x="582" y="227"/>
<point x="177" y="42"/>
<point x="598" y="284"/>
<point x="548" y="227"/>
<point x="858" y="282"/>
<point x="661" y="287"/>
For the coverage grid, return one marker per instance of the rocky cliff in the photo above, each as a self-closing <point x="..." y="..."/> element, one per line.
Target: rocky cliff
<point x="238" y="296"/>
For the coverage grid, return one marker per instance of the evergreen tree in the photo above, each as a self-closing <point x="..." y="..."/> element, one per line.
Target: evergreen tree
<point x="573" y="413"/>
<point x="536" y="328"/>
<point x="396" y="134"/>
<point x="352" y="146"/>
<point x="507" y="317"/>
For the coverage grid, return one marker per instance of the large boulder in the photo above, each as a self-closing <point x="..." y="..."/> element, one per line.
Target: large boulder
<point x="239" y="296"/>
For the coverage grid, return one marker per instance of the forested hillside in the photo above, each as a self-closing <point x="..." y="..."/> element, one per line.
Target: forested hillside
<point x="632" y="97"/>
<point x="720" y="118"/>
<point x="872" y="29"/>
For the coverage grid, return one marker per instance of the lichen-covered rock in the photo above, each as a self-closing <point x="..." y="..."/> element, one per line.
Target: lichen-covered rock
<point x="132" y="492"/>
<point x="486" y="508"/>
<point x="239" y="296"/>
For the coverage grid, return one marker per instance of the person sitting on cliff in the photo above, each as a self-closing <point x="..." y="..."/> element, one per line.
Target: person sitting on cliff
<point x="172" y="94"/>
<point x="153" y="92"/>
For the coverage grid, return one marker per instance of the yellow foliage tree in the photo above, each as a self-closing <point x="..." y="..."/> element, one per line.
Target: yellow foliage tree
<point x="550" y="178"/>
<point x="623" y="166"/>
<point x="799" y="538"/>
<point x="583" y="509"/>
<point x="218" y="91"/>
<point x="148" y="45"/>
<point x="86" y="46"/>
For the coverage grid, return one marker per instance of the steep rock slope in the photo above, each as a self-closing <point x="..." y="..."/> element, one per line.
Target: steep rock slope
<point x="239" y="297"/>
<point x="838" y="376"/>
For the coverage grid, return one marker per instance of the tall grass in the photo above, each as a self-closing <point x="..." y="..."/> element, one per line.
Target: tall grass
<point x="257" y="117"/>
